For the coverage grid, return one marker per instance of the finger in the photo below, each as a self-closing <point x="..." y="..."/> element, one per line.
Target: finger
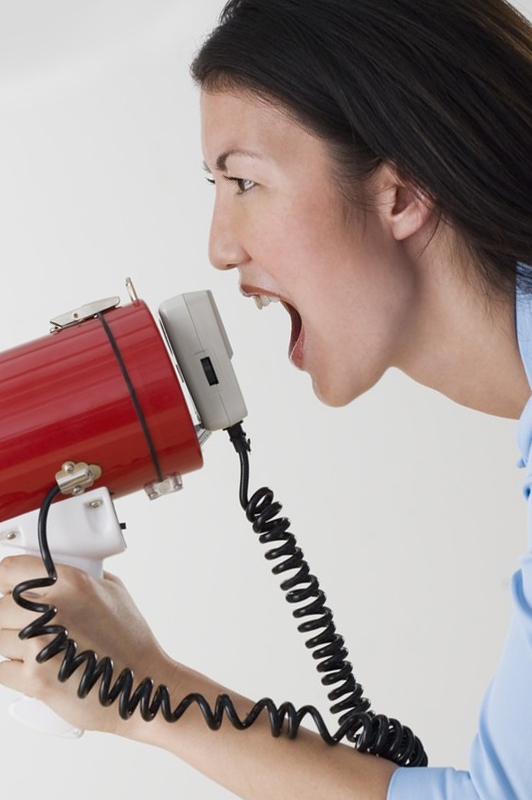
<point x="112" y="578"/>
<point x="19" y="569"/>
<point x="12" y="616"/>
<point x="17" y="649"/>
<point x="11" y="646"/>
<point x="15" y="569"/>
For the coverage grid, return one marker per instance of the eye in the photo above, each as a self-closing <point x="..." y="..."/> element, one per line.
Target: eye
<point x="244" y="184"/>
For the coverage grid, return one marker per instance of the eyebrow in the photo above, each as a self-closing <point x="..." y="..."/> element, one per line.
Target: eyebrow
<point x="221" y="164"/>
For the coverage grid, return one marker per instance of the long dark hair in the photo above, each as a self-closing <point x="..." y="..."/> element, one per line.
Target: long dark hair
<point x="441" y="90"/>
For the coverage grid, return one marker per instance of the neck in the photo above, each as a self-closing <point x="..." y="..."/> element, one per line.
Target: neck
<point x="469" y="349"/>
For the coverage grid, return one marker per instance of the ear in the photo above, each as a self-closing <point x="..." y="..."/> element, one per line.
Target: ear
<point x="402" y="205"/>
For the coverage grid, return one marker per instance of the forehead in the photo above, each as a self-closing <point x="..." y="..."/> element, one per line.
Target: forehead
<point x="240" y="121"/>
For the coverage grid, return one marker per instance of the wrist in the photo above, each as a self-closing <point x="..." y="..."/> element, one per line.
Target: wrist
<point x="166" y="672"/>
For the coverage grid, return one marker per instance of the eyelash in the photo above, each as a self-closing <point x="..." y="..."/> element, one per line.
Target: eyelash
<point x="238" y="181"/>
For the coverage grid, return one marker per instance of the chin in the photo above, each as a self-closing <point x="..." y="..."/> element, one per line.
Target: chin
<point x="332" y="396"/>
<point x="340" y="393"/>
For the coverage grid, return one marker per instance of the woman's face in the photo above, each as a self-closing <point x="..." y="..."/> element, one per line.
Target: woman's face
<point x="280" y="219"/>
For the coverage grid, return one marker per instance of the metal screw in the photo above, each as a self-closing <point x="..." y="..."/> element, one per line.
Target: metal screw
<point x="11" y="535"/>
<point x="68" y="467"/>
<point x="94" y="504"/>
<point x="77" y="490"/>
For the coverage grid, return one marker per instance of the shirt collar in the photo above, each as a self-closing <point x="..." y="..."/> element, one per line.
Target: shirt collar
<point x="523" y="326"/>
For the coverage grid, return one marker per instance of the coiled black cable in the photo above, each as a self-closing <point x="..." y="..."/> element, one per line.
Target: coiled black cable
<point x="369" y="732"/>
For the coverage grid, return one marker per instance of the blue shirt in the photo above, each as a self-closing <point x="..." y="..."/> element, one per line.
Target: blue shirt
<point x="500" y="766"/>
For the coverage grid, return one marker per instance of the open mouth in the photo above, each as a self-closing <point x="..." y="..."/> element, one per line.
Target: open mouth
<point x="297" y="335"/>
<point x="297" y="326"/>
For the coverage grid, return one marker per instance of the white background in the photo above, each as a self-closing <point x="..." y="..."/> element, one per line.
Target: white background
<point x="407" y="506"/>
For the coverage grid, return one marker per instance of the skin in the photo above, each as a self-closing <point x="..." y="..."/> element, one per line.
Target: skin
<point x="371" y="297"/>
<point x="372" y="294"/>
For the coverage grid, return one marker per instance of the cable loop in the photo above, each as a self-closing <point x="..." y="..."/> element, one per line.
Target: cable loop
<point x="369" y="732"/>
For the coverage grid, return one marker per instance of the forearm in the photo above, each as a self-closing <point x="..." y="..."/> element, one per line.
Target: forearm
<point x="253" y="764"/>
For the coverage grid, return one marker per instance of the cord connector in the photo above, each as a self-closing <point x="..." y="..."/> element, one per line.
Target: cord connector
<point x="239" y="438"/>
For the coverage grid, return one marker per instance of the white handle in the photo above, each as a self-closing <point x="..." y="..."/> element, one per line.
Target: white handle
<point x="39" y="716"/>
<point x="84" y="530"/>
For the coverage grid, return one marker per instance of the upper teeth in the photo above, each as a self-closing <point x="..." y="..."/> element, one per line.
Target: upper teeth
<point x="263" y="300"/>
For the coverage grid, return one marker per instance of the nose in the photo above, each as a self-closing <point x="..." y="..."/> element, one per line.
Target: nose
<point x="225" y="250"/>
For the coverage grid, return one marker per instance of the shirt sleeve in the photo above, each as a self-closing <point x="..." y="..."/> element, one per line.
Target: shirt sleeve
<point x="500" y="766"/>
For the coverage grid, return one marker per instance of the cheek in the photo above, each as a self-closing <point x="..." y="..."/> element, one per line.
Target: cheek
<point x="294" y="222"/>
<point x="278" y="239"/>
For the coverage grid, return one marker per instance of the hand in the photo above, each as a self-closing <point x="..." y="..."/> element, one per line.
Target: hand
<point x="99" y="615"/>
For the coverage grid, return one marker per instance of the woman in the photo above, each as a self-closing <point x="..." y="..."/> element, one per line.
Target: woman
<point x="372" y="171"/>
